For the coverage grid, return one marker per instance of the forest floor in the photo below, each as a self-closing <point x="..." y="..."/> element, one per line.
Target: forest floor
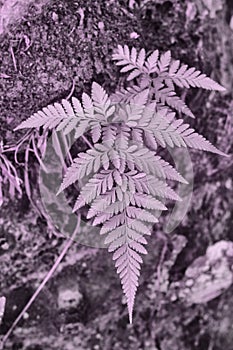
<point x="50" y="49"/>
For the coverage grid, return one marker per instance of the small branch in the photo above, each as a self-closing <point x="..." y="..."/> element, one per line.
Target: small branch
<point x="72" y="90"/>
<point x="13" y="58"/>
<point x="87" y="142"/>
<point x="43" y="283"/>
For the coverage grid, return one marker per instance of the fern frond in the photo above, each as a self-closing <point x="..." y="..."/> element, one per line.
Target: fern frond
<point x="101" y="203"/>
<point x="170" y="172"/>
<point x="146" y="161"/>
<point x="139" y="226"/>
<point x="197" y="141"/>
<point x="148" y="114"/>
<point x="49" y="117"/>
<point x="126" y="244"/>
<point x="99" y="184"/>
<point x="109" y="134"/>
<point x="168" y="70"/>
<point x="168" y="96"/>
<point x="68" y="116"/>
<point x="126" y="95"/>
<point x="150" y="140"/>
<point x="84" y="164"/>
<point x="184" y="76"/>
<point x="151" y="62"/>
<point x="129" y="273"/>
<point x="134" y="110"/>
<point x="146" y="201"/>
<point x="155" y="187"/>
<point x="141" y="214"/>
<point x="133" y="63"/>
<point x="122" y="137"/>
<point x="175" y="133"/>
<point x="137" y="135"/>
<point x="164" y="62"/>
<point x="60" y="116"/>
<point x="101" y="102"/>
<point x="96" y="132"/>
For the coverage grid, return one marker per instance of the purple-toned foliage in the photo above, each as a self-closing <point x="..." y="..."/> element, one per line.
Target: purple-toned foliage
<point x="125" y="178"/>
<point x="8" y="175"/>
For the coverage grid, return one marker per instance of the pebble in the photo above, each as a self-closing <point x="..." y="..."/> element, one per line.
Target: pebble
<point x="101" y="25"/>
<point x="189" y="283"/>
<point x="55" y="16"/>
<point x="69" y="298"/>
<point x="5" y="246"/>
<point x="25" y="315"/>
<point x="231" y="23"/>
<point x="228" y="183"/>
<point x="134" y="35"/>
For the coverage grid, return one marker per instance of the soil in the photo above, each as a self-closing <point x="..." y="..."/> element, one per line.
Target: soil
<point x="50" y="49"/>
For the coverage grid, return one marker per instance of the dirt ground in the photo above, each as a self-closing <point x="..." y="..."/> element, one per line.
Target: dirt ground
<point x="51" y="48"/>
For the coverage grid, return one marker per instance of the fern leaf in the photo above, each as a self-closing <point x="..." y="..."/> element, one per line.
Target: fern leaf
<point x="150" y="140"/>
<point x="101" y="203"/>
<point x="129" y="280"/>
<point x="83" y="165"/>
<point x="133" y="63"/>
<point x="141" y="58"/>
<point x="164" y="62"/>
<point x="113" y="223"/>
<point x="101" y="102"/>
<point x="199" y="142"/>
<point x="155" y="187"/>
<point x="97" y="185"/>
<point x="139" y="227"/>
<point x="96" y="132"/>
<point x="145" y="160"/>
<point x="137" y="246"/>
<point x="81" y="128"/>
<point x="122" y="137"/>
<point x="134" y="74"/>
<point x="69" y="118"/>
<point x="147" y="202"/>
<point x="126" y="95"/>
<point x="148" y="114"/>
<point x="115" y="158"/>
<point x="141" y="214"/>
<point x="126" y="245"/>
<point x="151" y="62"/>
<point x="79" y="112"/>
<point x="62" y="116"/>
<point x="115" y="234"/>
<point x="49" y="118"/>
<point x="137" y="135"/>
<point x="174" y="66"/>
<point x="109" y="135"/>
<point x="169" y="97"/>
<point x="190" y="77"/>
<point x="175" y="133"/>
<point x="170" y="172"/>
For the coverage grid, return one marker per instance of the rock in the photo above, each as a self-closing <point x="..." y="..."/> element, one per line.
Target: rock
<point x="69" y="298"/>
<point x="209" y="275"/>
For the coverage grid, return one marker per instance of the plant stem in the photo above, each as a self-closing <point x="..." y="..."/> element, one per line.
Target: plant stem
<point x="87" y="142"/>
<point x="43" y="283"/>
